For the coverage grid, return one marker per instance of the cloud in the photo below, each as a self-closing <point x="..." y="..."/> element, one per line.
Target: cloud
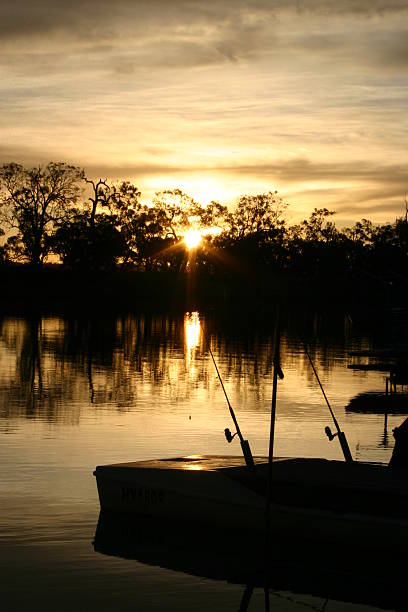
<point x="91" y="49"/>
<point x="387" y="205"/>
<point x="156" y="88"/>
<point x="353" y="190"/>
<point x="22" y="155"/>
<point x="303" y="170"/>
<point x="288" y="172"/>
<point x="180" y="32"/>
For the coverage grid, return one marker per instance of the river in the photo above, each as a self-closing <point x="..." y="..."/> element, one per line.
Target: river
<point x="78" y="391"/>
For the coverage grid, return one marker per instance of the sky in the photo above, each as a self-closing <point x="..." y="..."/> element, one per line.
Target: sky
<point x="220" y="98"/>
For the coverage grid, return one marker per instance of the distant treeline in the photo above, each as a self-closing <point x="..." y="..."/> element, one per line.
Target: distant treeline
<point x="44" y="215"/>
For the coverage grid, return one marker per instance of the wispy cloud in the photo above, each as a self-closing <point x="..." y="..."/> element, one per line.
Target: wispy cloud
<point x="304" y="170"/>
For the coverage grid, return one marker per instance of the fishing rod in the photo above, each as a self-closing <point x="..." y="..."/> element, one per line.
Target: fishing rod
<point x="277" y="373"/>
<point x="340" y="434"/>
<point x="246" y="450"/>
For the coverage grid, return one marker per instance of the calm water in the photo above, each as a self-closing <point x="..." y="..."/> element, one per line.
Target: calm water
<point x="77" y="392"/>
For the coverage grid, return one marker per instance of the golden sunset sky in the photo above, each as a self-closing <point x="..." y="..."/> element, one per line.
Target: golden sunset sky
<point x="218" y="97"/>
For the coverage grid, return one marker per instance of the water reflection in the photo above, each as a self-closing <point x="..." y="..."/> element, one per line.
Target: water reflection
<point x="50" y="361"/>
<point x="192" y="331"/>
<point x="76" y="391"/>
<point x="53" y="368"/>
<point x="33" y="379"/>
<point x="287" y="569"/>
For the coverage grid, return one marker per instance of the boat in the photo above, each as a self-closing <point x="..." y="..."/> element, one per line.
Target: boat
<point x="347" y="503"/>
<point x="338" y="501"/>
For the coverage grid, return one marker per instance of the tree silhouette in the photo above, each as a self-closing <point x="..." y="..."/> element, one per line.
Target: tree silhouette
<point x="173" y="209"/>
<point x="115" y="229"/>
<point x="257" y="230"/>
<point x="33" y="201"/>
<point x="131" y="218"/>
<point x="316" y="247"/>
<point x="82" y="247"/>
<point x="3" y="250"/>
<point x="257" y="214"/>
<point x="102" y="193"/>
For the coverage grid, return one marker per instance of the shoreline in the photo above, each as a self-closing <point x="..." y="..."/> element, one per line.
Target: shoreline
<point x="55" y="288"/>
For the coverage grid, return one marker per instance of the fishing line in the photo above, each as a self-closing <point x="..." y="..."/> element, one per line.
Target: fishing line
<point x="341" y="435"/>
<point x="244" y="443"/>
<point x="321" y="387"/>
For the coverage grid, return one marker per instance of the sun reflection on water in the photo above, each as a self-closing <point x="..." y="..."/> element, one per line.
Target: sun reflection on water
<point x="191" y="331"/>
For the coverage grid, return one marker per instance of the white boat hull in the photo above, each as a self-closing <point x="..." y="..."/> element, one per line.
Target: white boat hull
<point x="359" y="504"/>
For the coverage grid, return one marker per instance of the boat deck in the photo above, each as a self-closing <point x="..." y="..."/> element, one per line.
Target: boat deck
<point x="302" y="469"/>
<point x="191" y="462"/>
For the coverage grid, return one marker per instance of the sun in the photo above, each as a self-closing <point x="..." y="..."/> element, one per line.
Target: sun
<point x="192" y="238"/>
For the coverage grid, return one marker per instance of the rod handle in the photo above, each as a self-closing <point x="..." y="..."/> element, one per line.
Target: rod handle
<point x="345" y="447"/>
<point x="246" y="450"/>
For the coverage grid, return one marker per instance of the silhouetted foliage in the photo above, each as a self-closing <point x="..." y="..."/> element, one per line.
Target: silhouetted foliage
<point x="257" y="230"/>
<point x="173" y="209"/>
<point x="83" y="246"/>
<point x="316" y="246"/>
<point x="33" y="201"/>
<point x="138" y="225"/>
<point x="257" y="215"/>
<point x="113" y="228"/>
<point x="101" y="195"/>
<point x="3" y="251"/>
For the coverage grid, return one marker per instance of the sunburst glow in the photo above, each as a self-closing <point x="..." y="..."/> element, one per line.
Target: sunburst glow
<point x="192" y="238"/>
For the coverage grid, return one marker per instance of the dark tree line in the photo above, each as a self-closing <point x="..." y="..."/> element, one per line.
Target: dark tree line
<point x="45" y="216"/>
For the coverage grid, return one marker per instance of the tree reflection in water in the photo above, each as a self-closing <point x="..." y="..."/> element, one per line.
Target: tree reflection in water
<point x="53" y="365"/>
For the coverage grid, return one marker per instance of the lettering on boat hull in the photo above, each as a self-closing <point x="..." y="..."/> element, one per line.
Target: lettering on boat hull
<point x="145" y="496"/>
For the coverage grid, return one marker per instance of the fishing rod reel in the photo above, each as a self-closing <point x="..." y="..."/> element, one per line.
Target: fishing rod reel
<point x="329" y="433"/>
<point x="246" y="449"/>
<point x="343" y="442"/>
<point x="341" y="435"/>
<point x="229" y="436"/>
